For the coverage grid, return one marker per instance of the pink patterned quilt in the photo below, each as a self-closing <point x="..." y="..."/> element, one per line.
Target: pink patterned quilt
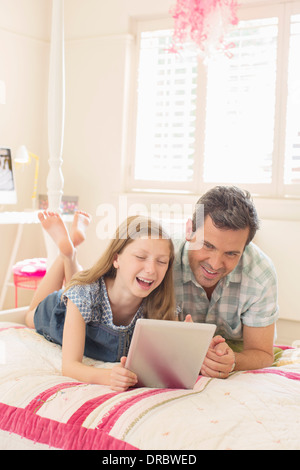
<point x="39" y="408"/>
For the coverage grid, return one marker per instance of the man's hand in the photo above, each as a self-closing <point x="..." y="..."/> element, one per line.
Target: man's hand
<point x="219" y="360"/>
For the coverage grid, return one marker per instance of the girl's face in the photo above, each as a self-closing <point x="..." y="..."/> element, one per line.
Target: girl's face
<point x="142" y="265"/>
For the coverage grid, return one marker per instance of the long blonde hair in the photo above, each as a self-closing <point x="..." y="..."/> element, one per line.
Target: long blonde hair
<point x="160" y="303"/>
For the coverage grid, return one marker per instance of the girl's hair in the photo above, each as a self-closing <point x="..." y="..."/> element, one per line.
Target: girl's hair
<point x="160" y="303"/>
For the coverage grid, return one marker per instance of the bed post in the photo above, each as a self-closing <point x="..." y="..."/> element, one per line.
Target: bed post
<point x="56" y="117"/>
<point x="56" y="106"/>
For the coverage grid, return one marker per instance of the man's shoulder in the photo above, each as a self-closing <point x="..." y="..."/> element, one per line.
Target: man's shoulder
<point x="257" y="265"/>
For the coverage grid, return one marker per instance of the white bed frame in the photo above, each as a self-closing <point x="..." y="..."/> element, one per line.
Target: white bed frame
<point x="56" y="106"/>
<point x="15" y="315"/>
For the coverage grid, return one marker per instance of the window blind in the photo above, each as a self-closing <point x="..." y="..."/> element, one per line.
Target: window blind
<point x="167" y="92"/>
<point x="292" y="152"/>
<point x="240" y="114"/>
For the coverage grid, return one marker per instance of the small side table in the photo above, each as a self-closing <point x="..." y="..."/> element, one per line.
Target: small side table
<point x="20" y="219"/>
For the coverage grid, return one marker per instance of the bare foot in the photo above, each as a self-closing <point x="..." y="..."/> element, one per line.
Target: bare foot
<point x="80" y="223"/>
<point x="55" y="227"/>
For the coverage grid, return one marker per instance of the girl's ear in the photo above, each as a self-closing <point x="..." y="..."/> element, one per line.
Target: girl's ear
<point x="115" y="261"/>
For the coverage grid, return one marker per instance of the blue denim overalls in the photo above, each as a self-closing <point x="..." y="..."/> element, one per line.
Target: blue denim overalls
<point x="104" y="342"/>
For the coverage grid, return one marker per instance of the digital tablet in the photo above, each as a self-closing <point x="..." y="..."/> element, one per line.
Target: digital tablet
<point x="168" y="354"/>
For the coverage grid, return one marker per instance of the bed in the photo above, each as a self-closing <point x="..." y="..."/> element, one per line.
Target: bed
<point x="41" y="409"/>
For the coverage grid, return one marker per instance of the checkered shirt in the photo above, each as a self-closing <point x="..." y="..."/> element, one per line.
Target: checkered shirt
<point x="246" y="296"/>
<point x="93" y="303"/>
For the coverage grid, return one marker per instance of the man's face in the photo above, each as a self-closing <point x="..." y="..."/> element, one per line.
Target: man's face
<point x="219" y="253"/>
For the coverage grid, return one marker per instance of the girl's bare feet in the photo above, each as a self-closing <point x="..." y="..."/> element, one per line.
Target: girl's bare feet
<point x="80" y="223"/>
<point x="55" y="227"/>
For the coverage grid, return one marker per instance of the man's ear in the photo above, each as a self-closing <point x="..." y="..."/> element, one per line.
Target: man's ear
<point x="189" y="230"/>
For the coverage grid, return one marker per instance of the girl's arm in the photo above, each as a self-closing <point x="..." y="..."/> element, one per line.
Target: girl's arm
<point x="118" y="378"/>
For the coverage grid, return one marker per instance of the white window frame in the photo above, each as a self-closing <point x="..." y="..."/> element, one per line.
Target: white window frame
<point x="277" y="189"/>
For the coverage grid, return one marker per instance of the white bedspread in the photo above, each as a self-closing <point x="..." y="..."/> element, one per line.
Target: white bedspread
<point x="39" y="408"/>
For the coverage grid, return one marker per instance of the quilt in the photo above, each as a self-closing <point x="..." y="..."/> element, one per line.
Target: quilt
<point x="41" y="409"/>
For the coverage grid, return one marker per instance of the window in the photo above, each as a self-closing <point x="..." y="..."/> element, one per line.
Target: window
<point x="292" y="151"/>
<point x="166" y="112"/>
<point x="233" y="121"/>
<point x="239" y="125"/>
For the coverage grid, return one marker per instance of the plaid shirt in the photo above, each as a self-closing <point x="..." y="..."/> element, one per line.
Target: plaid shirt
<point x="246" y="296"/>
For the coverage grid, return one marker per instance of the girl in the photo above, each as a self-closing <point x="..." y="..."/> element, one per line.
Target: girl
<point x="96" y="313"/>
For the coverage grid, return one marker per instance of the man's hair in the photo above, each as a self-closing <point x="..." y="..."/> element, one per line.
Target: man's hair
<point x="229" y="208"/>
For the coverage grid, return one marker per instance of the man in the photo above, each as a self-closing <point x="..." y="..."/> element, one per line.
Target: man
<point x="221" y="277"/>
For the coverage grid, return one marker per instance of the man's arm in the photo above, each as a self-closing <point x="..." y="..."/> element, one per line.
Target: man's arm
<point x="257" y="353"/>
<point x="258" y="348"/>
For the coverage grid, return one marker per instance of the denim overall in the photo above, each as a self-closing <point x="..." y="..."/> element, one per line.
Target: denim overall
<point x="102" y="342"/>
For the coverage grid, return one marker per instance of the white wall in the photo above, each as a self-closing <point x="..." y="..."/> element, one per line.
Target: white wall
<point x="99" y="51"/>
<point x="24" y="59"/>
<point x="280" y="240"/>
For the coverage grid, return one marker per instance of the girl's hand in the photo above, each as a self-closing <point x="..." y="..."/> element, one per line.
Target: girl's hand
<point x="188" y="319"/>
<point x="120" y="378"/>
